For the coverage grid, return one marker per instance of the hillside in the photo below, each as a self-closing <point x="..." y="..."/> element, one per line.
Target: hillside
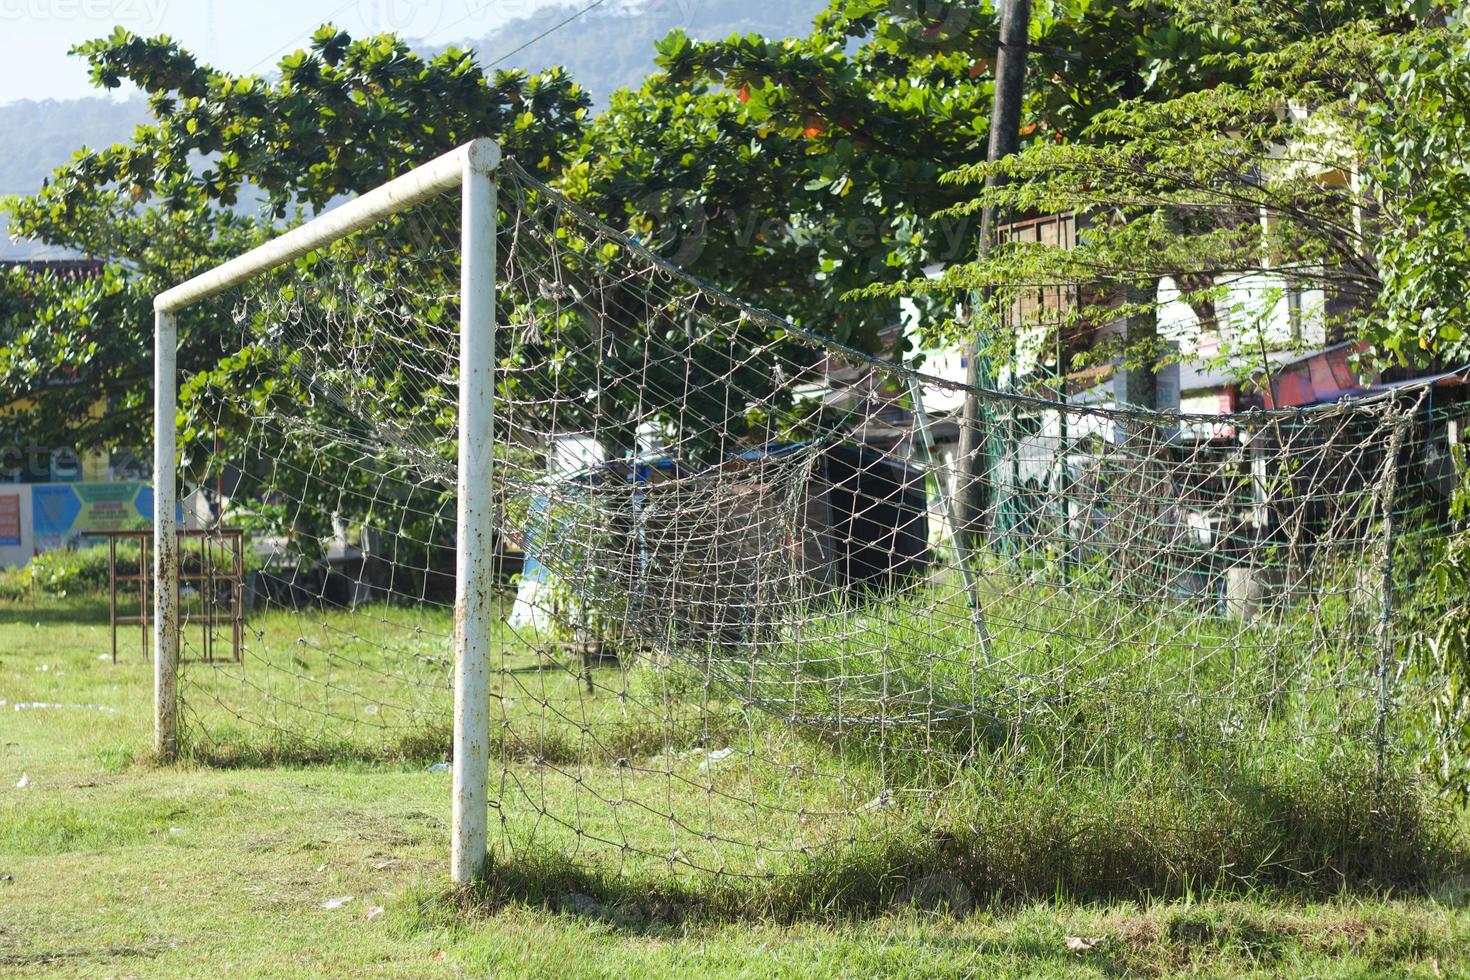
<point x="606" y="49"/>
<point x="36" y="137"/>
<point x="612" y="47"/>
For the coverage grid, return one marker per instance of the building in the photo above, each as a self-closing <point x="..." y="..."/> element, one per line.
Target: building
<point x="55" y="496"/>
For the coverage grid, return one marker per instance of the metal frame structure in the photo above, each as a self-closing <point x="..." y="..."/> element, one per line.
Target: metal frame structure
<point x="470" y="167"/>
<point x="211" y="614"/>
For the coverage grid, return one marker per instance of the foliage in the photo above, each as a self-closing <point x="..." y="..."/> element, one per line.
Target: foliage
<point x="769" y="168"/>
<point x="56" y="332"/>
<point x="63" y="572"/>
<point x="1435" y="596"/>
<point x="60" y="573"/>
<point x="342" y="117"/>
<point x="610" y="48"/>
<point x="1415" y="138"/>
<point x="333" y="123"/>
<point x="823" y="164"/>
<point x="1240" y="169"/>
<point x="790" y="173"/>
<point x="851" y="128"/>
<point x="746" y="189"/>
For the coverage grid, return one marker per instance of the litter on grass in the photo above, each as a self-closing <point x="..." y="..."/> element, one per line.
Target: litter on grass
<point x="52" y="705"/>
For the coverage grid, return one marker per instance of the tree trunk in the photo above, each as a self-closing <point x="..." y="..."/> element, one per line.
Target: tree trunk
<point x="1005" y="136"/>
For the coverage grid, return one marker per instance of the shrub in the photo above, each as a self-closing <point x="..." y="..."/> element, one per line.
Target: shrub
<point x="15" y="583"/>
<point x="63" y="572"/>
<point x="83" y="571"/>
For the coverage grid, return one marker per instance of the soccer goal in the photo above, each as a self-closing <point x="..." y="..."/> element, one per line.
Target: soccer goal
<point x="674" y="586"/>
<point x="467" y="170"/>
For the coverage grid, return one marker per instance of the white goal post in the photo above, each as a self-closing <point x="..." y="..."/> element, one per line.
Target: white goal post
<point x="469" y="167"/>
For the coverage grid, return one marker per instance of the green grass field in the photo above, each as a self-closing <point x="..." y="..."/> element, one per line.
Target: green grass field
<point x="115" y="867"/>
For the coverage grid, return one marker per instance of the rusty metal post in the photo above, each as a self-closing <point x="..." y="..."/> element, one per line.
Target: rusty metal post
<point x="474" y="602"/>
<point x="112" y="592"/>
<point x="165" y="538"/>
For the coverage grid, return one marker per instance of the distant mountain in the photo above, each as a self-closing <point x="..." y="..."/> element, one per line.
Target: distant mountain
<point x="605" y="49"/>
<point x="611" y="47"/>
<point x="37" y="137"/>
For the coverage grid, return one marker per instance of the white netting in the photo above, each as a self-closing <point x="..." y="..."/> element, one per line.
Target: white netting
<point x="744" y="626"/>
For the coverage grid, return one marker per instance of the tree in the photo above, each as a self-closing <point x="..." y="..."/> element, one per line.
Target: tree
<point x="748" y="186"/>
<point x="1254" y="172"/>
<point x="343" y="116"/>
<point x="792" y="173"/>
<point x="1414" y="138"/>
<point x="757" y="185"/>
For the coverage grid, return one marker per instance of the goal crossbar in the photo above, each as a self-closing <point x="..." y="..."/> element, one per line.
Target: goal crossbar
<point x="441" y="174"/>
<point x="469" y="167"/>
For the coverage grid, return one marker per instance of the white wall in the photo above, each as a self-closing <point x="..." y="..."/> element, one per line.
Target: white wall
<point x="1253" y="309"/>
<point x="20" y="552"/>
<point x="949" y="363"/>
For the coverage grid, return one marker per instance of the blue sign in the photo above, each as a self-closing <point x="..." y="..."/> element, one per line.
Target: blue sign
<point x="54" y="510"/>
<point x="144" y="504"/>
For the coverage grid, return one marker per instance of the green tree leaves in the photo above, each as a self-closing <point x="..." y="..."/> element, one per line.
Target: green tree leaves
<point x="1415" y="139"/>
<point x="344" y="116"/>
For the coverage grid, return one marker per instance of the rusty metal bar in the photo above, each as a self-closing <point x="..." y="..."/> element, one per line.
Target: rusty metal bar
<point x="112" y="593"/>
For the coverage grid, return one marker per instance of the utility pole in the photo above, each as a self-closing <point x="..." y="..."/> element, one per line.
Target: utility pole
<point x="1005" y="138"/>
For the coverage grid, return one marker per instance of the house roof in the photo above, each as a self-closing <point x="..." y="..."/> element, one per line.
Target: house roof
<point x="1198" y="376"/>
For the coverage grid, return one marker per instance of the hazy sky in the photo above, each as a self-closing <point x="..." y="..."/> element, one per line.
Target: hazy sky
<point x="239" y="35"/>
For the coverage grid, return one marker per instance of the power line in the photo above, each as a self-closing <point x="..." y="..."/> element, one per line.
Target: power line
<point x="509" y="54"/>
<point x="329" y="17"/>
<point x="548" y="31"/>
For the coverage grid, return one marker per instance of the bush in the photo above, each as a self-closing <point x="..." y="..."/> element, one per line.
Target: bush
<point x="15" y="583"/>
<point x="63" y="572"/>
<point x="83" y="571"/>
<point x="57" y="573"/>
